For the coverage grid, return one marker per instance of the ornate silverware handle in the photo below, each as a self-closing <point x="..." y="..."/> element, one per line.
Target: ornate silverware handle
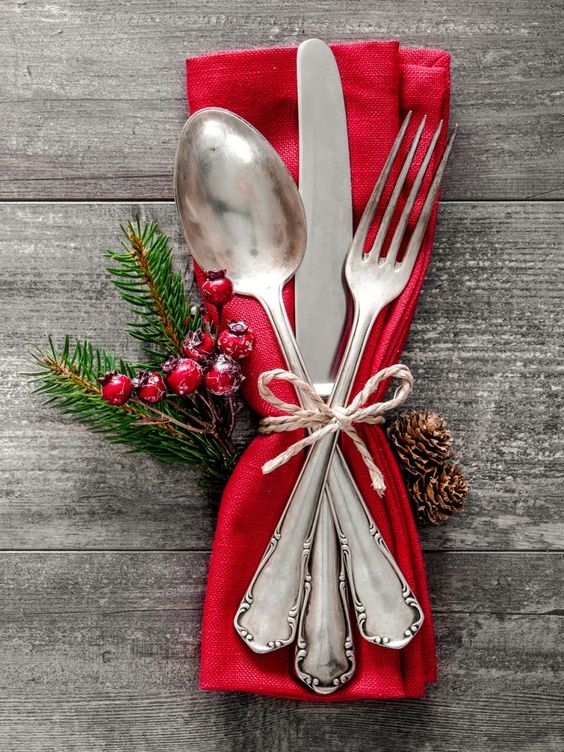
<point x="386" y="609"/>
<point x="381" y="597"/>
<point x="387" y="612"/>
<point x="267" y="616"/>
<point x="324" y="657"/>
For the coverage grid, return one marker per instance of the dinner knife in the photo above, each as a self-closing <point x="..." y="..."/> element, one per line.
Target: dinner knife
<point x="325" y="187"/>
<point x="324" y="655"/>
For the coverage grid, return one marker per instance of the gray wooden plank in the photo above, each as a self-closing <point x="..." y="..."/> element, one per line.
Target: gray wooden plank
<point x="40" y="583"/>
<point x="100" y="652"/>
<point x="484" y="349"/>
<point x="93" y="93"/>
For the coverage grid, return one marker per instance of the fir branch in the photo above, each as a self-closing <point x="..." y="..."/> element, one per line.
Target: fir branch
<point x="187" y="430"/>
<point x="146" y="281"/>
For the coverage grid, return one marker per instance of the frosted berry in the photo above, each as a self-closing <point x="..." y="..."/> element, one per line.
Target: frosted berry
<point x="217" y="289"/>
<point x="237" y="340"/>
<point x="224" y="377"/>
<point x="183" y="375"/>
<point x="150" y="386"/>
<point x="116" y="387"/>
<point x="198" y="345"/>
<point x="170" y="363"/>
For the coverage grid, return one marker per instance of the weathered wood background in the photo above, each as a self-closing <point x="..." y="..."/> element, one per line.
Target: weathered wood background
<point x="103" y="557"/>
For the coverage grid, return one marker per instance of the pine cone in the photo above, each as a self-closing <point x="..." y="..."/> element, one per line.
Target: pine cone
<point x="422" y="442"/>
<point x="438" y="495"/>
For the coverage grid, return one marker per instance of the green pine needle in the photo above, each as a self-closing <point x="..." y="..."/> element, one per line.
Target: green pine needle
<point x="176" y="430"/>
<point x="195" y="430"/>
<point x="144" y="276"/>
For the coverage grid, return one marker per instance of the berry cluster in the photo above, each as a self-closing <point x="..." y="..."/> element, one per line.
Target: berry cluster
<point x="207" y="360"/>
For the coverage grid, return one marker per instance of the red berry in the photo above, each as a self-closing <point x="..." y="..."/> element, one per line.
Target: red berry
<point x="198" y="345"/>
<point x="237" y="340"/>
<point x="224" y="377"/>
<point x="184" y="375"/>
<point x="150" y="386"/>
<point x="217" y="289"/>
<point x="116" y="388"/>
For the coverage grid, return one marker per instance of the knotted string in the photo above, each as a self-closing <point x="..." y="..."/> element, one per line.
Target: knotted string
<point x="323" y="420"/>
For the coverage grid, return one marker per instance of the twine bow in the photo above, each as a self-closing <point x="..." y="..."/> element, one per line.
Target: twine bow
<point x="323" y="420"/>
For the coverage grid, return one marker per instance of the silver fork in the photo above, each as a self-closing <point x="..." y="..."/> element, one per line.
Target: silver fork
<point x="374" y="281"/>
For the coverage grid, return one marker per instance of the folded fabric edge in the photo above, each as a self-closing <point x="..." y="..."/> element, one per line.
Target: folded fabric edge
<point x="219" y="54"/>
<point x="426" y="57"/>
<point x="299" y="696"/>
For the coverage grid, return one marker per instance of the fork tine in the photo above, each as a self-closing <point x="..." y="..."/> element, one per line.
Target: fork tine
<point x="394" y="198"/>
<point x="363" y="228"/>
<point x="402" y="224"/>
<point x="416" y="238"/>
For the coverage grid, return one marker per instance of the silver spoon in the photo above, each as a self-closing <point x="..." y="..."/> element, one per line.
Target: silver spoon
<point x="241" y="211"/>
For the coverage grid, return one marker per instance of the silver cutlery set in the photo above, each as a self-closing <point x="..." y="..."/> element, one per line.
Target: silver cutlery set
<point x="241" y="211"/>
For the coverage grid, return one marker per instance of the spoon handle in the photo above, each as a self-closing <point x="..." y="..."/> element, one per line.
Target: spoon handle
<point x="268" y="615"/>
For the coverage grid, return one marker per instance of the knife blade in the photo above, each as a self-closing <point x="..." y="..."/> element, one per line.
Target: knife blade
<point x="325" y="187"/>
<point x="325" y="655"/>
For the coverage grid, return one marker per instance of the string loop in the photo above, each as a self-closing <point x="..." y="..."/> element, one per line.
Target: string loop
<point x="323" y="420"/>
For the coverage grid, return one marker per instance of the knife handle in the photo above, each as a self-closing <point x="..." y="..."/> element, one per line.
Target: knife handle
<point x="324" y="657"/>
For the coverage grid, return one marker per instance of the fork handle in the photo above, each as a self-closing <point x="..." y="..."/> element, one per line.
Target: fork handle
<point x="387" y="612"/>
<point x="267" y="618"/>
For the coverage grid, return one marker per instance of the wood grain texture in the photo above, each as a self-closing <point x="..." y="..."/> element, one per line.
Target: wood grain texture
<point x="484" y="349"/>
<point x="93" y="92"/>
<point x="103" y="556"/>
<point x="100" y="652"/>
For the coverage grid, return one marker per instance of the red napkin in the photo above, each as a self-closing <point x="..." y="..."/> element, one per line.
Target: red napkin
<point x="381" y="82"/>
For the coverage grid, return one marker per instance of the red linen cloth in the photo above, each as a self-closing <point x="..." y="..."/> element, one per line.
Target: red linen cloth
<point x="381" y="82"/>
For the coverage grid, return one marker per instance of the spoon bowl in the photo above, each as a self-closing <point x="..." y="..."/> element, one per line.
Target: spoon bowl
<point x="239" y="207"/>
